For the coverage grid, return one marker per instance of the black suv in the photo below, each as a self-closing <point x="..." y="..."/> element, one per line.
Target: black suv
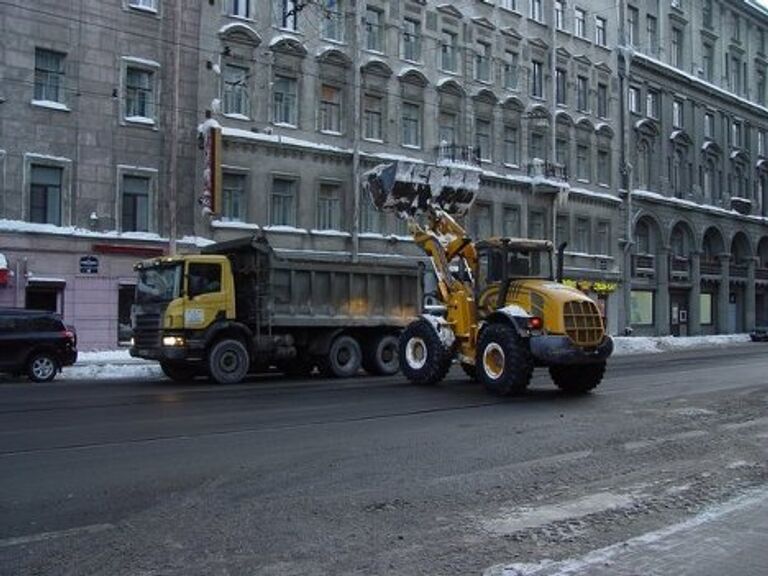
<point x="35" y="343"/>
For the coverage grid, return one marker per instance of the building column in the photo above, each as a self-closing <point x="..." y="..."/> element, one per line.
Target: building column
<point x="662" y="292"/>
<point x="723" y="293"/>
<point x="694" y="299"/>
<point x="750" y="306"/>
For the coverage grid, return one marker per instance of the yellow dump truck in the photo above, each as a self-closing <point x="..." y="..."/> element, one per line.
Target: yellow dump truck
<point x="242" y="307"/>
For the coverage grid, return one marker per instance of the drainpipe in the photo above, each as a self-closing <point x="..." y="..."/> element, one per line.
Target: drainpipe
<point x="356" y="94"/>
<point x="552" y="123"/>
<point x="174" y="160"/>
<point x="624" y="64"/>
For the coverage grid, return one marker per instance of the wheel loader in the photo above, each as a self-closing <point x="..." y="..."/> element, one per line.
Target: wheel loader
<point x="503" y="309"/>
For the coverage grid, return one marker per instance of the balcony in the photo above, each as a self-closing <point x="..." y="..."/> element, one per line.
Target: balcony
<point x="761" y="273"/>
<point x="741" y="205"/>
<point x="549" y="170"/>
<point x="710" y="267"/>
<point x="455" y="154"/>
<point x="679" y="268"/>
<point x="643" y="265"/>
<point x="738" y="270"/>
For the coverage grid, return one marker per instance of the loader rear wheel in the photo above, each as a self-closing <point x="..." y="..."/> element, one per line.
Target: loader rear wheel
<point x="178" y="371"/>
<point x="423" y="358"/>
<point x="503" y="364"/>
<point x="470" y="370"/>
<point x="579" y="378"/>
<point x="380" y="355"/>
<point x="344" y="358"/>
<point x="228" y="361"/>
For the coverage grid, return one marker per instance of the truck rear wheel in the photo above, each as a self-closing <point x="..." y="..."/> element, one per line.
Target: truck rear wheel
<point x="228" y="361"/>
<point x="344" y="357"/>
<point x="503" y="362"/>
<point x="380" y="355"/>
<point x="579" y="378"/>
<point x="423" y="358"/>
<point x="179" y="372"/>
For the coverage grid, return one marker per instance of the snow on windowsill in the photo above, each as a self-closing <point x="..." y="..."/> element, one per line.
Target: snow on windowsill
<point x="284" y="228"/>
<point x="36" y="156"/>
<point x="141" y="61"/>
<point x="279" y="139"/>
<point x="139" y="8"/>
<point x="237" y="116"/>
<point x="50" y="104"/>
<point x="143" y="120"/>
<point x="335" y="233"/>
<point x="234" y="225"/>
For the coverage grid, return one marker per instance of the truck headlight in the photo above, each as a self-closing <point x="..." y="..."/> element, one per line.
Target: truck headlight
<point x="173" y="340"/>
<point x="133" y="342"/>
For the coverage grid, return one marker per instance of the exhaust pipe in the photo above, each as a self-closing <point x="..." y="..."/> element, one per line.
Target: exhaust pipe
<point x="560" y="260"/>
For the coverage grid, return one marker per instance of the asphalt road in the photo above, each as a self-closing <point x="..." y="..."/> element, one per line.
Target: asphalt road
<point x="372" y="475"/>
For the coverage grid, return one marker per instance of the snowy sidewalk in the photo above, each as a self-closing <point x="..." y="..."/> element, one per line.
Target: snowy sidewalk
<point x="110" y="364"/>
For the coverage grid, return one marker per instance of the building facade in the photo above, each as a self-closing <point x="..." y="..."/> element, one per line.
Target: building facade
<point x="563" y="106"/>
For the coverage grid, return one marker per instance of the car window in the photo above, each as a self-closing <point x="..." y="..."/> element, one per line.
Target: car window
<point x="204" y="279"/>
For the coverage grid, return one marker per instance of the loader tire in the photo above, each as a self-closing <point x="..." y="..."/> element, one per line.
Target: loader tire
<point x="228" y="361"/>
<point x="380" y="356"/>
<point x="423" y="357"/>
<point x="579" y="378"/>
<point x="470" y="370"/>
<point x="344" y="358"/>
<point x="179" y="371"/>
<point x="503" y="364"/>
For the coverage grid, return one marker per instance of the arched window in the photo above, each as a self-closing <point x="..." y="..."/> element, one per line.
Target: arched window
<point x="643" y="233"/>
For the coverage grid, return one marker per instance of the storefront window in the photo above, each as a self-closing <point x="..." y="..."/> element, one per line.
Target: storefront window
<point x="642" y="307"/>
<point x="705" y="308"/>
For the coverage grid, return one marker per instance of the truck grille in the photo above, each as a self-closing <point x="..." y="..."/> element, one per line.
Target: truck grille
<point x="146" y="331"/>
<point x="583" y="323"/>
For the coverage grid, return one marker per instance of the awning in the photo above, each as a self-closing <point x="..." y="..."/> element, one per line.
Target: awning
<point x="46" y="281"/>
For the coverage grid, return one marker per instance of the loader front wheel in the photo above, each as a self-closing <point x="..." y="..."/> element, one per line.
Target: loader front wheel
<point x="577" y="379"/>
<point x="503" y="363"/>
<point x="423" y="357"/>
<point x="228" y="361"/>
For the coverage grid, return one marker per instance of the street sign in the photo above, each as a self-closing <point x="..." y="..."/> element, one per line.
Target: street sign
<point x="89" y="265"/>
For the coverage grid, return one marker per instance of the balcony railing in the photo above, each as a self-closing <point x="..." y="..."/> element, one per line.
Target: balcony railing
<point x="738" y="270"/>
<point x="679" y="267"/>
<point x="458" y="154"/>
<point x="761" y="273"/>
<point x="550" y="170"/>
<point x="643" y="265"/>
<point x="711" y="267"/>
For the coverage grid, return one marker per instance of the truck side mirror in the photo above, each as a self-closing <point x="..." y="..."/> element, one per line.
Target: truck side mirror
<point x="560" y="260"/>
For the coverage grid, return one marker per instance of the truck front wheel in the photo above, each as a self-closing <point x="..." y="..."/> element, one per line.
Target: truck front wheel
<point x="577" y="379"/>
<point x="423" y="358"/>
<point x="228" y="361"/>
<point x="503" y="361"/>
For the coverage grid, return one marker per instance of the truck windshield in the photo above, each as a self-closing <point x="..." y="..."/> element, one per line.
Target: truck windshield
<point x="529" y="264"/>
<point x="159" y="283"/>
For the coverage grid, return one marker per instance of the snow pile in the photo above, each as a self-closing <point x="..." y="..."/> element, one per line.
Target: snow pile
<point x="626" y="345"/>
<point x="110" y="371"/>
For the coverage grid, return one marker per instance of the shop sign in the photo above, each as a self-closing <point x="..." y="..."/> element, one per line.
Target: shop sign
<point x="89" y="265"/>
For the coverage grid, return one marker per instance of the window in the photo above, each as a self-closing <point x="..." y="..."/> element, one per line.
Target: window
<point x="373" y="118"/>
<point x="509" y="4"/>
<point x="139" y="93"/>
<point x="761" y="142"/>
<point x="582" y="162"/>
<point x="560" y="14"/>
<point x="652" y="104"/>
<point x="49" y="75"/>
<point x="448" y="56"/>
<point x="329" y="207"/>
<point x="483" y="138"/>
<point x="561" y="151"/>
<point x="510" y="71"/>
<point x="677" y="114"/>
<point x="760" y="87"/>
<point x="203" y="278"/>
<point x="709" y="125"/>
<point x="411" y="125"/>
<point x="603" y="238"/>
<point x="537" y="87"/>
<point x="333" y="20"/>
<point x="370" y="217"/>
<point x="562" y="229"/>
<point x="582" y="235"/>
<point x="600" y="31"/>
<point x="511" y="146"/>
<point x="483" y="221"/>
<point x="236" y="99"/>
<point x="676" y="52"/>
<point x="283" y="202"/>
<point x="633" y="25"/>
<point x="511" y="222"/>
<point x="652" y="32"/>
<point x="537" y="10"/>
<point x="45" y="194"/>
<point x="536" y="148"/>
<point x="483" y="62"/>
<point x="736" y="27"/>
<point x="709" y="180"/>
<point x="602" y="100"/>
<point x="641" y="313"/>
<point x="707" y="61"/>
<point x="705" y="308"/>
<point x="330" y="109"/>
<point x="736" y="135"/>
<point x="446" y="127"/>
<point x="677" y="175"/>
<point x="233" y="197"/>
<point x="634" y="99"/>
<point x="580" y="22"/>
<point x="736" y="77"/>
<point x="706" y="13"/>
<point x="135" y="204"/>
<point x="143" y="4"/>
<point x="561" y="86"/>
<point x="582" y="93"/>
<point x="374" y="30"/>
<point x="284" y="101"/>
<point x="284" y="14"/>
<point x="411" y="40"/>
<point x="240" y="8"/>
<point x="536" y="225"/>
<point x="604" y="167"/>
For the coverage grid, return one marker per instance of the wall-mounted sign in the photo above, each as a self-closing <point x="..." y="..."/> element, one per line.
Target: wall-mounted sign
<point x="89" y="265"/>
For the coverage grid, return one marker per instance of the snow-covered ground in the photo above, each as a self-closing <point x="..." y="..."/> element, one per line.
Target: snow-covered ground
<point x="110" y="364"/>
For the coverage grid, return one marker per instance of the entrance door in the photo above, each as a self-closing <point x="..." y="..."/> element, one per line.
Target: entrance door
<point x="678" y="313"/>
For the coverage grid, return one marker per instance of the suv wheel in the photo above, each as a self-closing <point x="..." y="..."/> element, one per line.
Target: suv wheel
<point x="42" y="367"/>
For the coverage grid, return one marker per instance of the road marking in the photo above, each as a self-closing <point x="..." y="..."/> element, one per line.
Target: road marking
<point x="640" y="444"/>
<point x="45" y="536"/>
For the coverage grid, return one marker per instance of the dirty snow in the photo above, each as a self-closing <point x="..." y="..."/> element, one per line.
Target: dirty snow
<point x="627" y="345"/>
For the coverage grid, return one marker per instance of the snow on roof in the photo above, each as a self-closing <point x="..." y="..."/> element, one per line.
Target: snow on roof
<point x="696" y="206"/>
<point x="207" y="125"/>
<point x="593" y="194"/>
<point x="141" y="61"/>
<point x="283" y="38"/>
<point x="279" y="139"/>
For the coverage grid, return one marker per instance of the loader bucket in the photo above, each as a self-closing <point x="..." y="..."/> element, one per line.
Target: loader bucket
<point x="409" y="188"/>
